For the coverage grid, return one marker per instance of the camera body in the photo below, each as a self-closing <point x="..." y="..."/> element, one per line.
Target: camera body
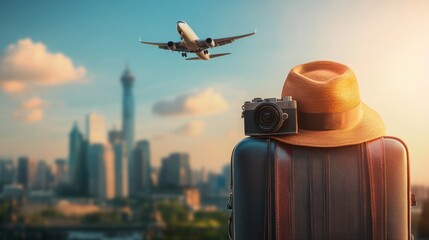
<point x="270" y="116"/>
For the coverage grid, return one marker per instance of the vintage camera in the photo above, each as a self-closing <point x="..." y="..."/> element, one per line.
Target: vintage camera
<point x="270" y="116"/>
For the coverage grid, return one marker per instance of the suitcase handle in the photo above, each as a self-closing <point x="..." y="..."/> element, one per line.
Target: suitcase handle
<point x="230" y="220"/>
<point x="230" y="227"/>
<point x="229" y="204"/>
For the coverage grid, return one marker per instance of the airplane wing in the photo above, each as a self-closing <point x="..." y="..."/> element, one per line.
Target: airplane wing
<point x="178" y="46"/>
<point x="223" y="41"/>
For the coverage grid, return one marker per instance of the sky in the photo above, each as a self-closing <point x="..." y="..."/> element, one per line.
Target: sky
<point x="61" y="60"/>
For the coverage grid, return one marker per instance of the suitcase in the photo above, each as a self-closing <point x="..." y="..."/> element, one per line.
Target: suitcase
<point x="282" y="191"/>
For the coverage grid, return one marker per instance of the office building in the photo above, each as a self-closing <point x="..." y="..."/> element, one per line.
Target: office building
<point x="95" y="129"/>
<point x="120" y="161"/>
<point x="226" y="173"/>
<point x="115" y="136"/>
<point x="97" y="152"/>
<point x="25" y="172"/>
<point x="77" y="166"/>
<point x="44" y="178"/>
<point x="121" y="169"/>
<point x="13" y="191"/>
<point x="175" y="171"/>
<point x="106" y="181"/>
<point x="102" y="176"/>
<point x="142" y="169"/>
<point x="7" y="172"/>
<point x="61" y="173"/>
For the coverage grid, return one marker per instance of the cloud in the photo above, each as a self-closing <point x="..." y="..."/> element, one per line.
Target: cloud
<point x="31" y="110"/>
<point x="28" y="62"/>
<point x="194" y="128"/>
<point x="34" y="115"/>
<point x="201" y="103"/>
<point x="160" y="137"/>
<point x="34" y="103"/>
<point x="12" y="86"/>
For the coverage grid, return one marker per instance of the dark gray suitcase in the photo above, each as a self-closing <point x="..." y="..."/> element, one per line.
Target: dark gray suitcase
<point x="281" y="191"/>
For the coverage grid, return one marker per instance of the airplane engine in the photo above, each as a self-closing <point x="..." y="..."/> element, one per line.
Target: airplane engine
<point x="210" y="43"/>
<point x="171" y="46"/>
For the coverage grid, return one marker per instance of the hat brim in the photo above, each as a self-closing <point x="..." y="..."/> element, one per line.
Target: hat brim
<point x="370" y="127"/>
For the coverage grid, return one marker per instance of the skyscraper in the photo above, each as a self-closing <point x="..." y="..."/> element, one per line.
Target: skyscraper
<point x="127" y="80"/>
<point x="97" y="150"/>
<point x="95" y="129"/>
<point x="102" y="176"/>
<point x="121" y="162"/>
<point x="115" y="135"/>
<point x="95" y="153"/>
<point x="7" y="170"/>
<point x="61" y="171"/>
<point x="43" y="179"/>
<point x="175" y="171"/>
<point x="76" y="161"/>
<point x="142" y="169"/>
<point x="106" y="176"/>
<point x="26" y="172"/>
<point x="121" y="169"/>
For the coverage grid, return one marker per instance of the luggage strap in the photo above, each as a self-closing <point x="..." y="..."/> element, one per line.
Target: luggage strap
<point x="377" y="185"/>
<point x="283" y="193"/>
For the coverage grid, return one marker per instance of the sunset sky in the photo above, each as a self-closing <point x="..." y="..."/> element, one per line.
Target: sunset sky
<point x="63" y="59"/>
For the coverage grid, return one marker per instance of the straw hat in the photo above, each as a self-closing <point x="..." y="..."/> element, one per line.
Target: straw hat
<point x="330" y="112"/>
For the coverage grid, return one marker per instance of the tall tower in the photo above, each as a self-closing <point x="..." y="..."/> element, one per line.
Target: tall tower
<point x="127" y="81"/>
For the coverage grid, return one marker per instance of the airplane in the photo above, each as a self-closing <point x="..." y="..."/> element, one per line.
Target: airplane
<point x="192" y="44"/>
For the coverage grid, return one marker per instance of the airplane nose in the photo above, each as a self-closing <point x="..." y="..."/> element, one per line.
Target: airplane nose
<point x="180" y="22"/>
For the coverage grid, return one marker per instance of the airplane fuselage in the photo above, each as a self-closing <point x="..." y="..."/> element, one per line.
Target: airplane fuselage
<point x="190" y="39"/>
<point x="191" y="43"/>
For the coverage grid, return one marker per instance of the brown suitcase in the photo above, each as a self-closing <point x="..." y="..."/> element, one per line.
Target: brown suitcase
<point x="282" y="191"/>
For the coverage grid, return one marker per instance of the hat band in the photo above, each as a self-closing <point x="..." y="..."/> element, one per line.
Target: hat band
<point x="329" y="121"/>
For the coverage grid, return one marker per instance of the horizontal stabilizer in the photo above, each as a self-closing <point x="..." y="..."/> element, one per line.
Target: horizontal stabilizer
<point x="218" y="55"/>
<point x="194" y="58"/>
<point x="211" y="56"/>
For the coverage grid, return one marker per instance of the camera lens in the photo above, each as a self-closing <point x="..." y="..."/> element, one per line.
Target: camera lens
<point x="268" y="117"/>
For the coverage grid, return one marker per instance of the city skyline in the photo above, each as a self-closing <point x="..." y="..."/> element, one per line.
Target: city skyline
<point x="194" y="107"/>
